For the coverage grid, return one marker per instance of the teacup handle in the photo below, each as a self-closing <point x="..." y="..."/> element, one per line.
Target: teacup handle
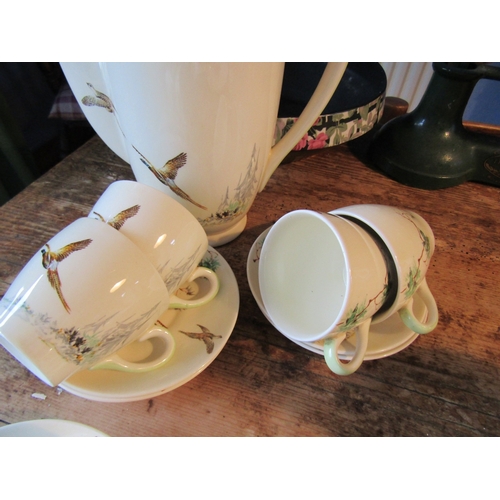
<point x="331" y="349"/>
<point x="117" y="362"/>
<point x="408" y="318"/>
<point x="213" y="283"/>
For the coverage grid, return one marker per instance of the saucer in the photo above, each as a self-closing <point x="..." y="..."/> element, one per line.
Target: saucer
<point x="49" y="428"/>
<point x="200" y="335"/>
<point x="386" y="338"/>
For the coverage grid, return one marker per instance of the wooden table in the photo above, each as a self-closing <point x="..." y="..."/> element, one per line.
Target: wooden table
<point x="446" y="383"/>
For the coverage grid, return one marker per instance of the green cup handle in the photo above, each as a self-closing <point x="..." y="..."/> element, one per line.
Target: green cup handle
<point x="120" y="363"/>
<point x="408" y="318"/>
<point x="331" y="348"/>
<point x="177" y="302"/>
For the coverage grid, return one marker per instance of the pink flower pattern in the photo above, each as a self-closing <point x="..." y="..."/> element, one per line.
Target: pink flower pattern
<point x="302" y="144"/>
<point x="319" y="141"/>
<point x="331" y="130"/>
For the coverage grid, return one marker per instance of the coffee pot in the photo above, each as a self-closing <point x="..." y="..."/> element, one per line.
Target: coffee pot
<point x="429" y="147"/>
<point x="200" y="132"/>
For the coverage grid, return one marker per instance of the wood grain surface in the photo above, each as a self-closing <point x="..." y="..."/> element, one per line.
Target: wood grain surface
<point x="446" y="383"/>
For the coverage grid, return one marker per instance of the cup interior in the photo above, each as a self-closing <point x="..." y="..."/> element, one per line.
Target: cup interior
<point x="303" y="275"/>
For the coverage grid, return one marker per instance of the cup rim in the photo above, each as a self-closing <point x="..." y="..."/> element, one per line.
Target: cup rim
<point x="326" y="219"/>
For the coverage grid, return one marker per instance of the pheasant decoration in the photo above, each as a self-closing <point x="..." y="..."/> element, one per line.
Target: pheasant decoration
<point x="98" y="99"/>
<point x="205" y="335"/>
<point x="50" y="261"/>
<point x="118" y="220"/>
<point x="167" y="174"/>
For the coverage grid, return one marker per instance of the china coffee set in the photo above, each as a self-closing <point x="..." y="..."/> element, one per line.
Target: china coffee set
<point x="134" y="300"/>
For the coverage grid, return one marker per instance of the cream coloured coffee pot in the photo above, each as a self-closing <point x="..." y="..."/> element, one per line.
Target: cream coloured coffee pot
<point x="200" y="132"/>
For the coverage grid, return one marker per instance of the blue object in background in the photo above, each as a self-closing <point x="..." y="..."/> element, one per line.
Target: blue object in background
<point x="484" y="103"/>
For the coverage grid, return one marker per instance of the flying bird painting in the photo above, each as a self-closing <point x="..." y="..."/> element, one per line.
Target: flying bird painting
<point x="51" y="260"/>
<point x="167" y="174"/>
<point x="98" y="99"/>
<point x="118" y="220"/>
<point x="205" y="335"/>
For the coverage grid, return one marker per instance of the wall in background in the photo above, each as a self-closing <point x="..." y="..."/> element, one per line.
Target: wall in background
<point x="409" y="80"/>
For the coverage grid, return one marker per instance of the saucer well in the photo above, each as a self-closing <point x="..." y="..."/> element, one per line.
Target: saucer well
<point x="386" y="338"/>
<point x="200" y="335"/>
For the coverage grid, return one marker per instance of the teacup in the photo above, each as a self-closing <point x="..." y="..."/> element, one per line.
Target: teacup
<point x="86" y="294"/>
<point x="200" y="132"/>
<point x="321" y="276"/>
<point x="166" y="232"/>
<point x="407" y="240"/>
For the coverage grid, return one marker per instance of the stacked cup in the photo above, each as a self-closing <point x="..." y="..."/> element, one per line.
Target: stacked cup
<point x="101" y="283"/>
<point x="322" y="275"/>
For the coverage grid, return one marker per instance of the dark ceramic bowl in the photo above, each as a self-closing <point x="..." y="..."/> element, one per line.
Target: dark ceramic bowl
<point x="354" y="109"/>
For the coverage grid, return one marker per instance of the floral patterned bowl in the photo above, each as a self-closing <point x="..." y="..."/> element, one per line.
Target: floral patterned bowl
<point x="355" y="108"/>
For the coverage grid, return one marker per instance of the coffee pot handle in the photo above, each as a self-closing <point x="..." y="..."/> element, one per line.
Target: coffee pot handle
<point x="321" y="97"/>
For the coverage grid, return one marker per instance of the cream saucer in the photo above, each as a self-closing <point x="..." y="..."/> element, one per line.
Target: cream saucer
<point x="200" y="335"/>
<point x="49" y="428"/>
<point x="386" y="338"/>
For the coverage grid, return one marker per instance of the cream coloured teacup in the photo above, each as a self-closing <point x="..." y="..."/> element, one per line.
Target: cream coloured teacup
<point x="166" y="232"/>
<point x="321" y="276"/>
<point x="200" y="132"/>
<point x="408" y="240"/>
<point x="87" y="293"/>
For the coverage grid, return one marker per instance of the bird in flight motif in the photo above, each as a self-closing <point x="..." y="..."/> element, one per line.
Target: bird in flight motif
<point x="205" y="335"/>
<point x="167" y="174"/>
<point x="118" y="220"/>
<point x="51" y="259"/>
<point x="99" y="99"/>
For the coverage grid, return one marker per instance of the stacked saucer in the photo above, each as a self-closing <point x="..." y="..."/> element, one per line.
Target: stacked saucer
<point x="386" y="338"/>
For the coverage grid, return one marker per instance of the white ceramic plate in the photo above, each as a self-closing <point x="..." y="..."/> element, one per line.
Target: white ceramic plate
<point x="195" y="349"/>
<point x="386" y="338"/>
<point x="49" y="428"/>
